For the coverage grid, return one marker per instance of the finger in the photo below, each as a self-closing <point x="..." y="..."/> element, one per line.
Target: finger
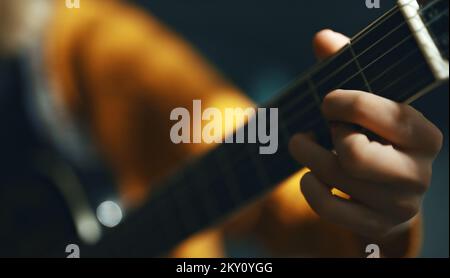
<point x="328" y="42"/>
<point x="323" y="163"/>
<point x="343" y="212"/>
<point x="399" y="123"/>
<point x="375" y="162"/>
<point x="398" y="205"/>
<point x="327" y="166"/>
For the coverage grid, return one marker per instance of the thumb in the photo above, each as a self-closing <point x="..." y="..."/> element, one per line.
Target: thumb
<point x="328" y="42"/>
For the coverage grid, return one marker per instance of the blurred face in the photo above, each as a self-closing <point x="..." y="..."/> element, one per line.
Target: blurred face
<point x="20" y="22"/>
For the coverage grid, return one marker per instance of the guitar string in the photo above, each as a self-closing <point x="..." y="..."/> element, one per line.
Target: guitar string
<point x="290" y="120"/>
<point x="358" y="72"/>
<point x="189" y="217"/>
<point x="208" y="185"/>
<point x="286" y="110"/>
<point x="427" y="24"/>
<point x="361" y="71"/>
<point x="308" y="91"/>
<point x="310" y="107"/>
<point x="393" y="11"/>
<point x="313" y="104"/>
<point x="391" y="67"/>
<point x="372" y="27"/>
<point x="354" y="58"/>
<point x="362" y="53"/>
<point x="324" y="63"/>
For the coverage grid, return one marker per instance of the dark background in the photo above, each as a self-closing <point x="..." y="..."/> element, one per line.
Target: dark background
<point x="262" y="45"/>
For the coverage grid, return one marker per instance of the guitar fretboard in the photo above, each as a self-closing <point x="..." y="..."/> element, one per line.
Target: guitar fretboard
<point x="384" y="59"/>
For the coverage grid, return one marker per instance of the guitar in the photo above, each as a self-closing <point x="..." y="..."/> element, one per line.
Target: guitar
<point x="401" y="56"/>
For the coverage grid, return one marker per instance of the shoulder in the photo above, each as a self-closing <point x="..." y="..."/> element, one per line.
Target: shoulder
<point x="104" y="29"/>
<point x="102" y="38"/>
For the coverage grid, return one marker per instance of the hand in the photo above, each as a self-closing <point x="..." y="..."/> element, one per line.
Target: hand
<point x="385" y="181"/>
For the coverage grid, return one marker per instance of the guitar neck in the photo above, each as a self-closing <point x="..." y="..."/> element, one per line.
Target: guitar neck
<point x="398" y="57"/>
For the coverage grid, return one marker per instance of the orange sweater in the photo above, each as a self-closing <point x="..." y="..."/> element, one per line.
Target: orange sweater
<point x="134" y="71"/>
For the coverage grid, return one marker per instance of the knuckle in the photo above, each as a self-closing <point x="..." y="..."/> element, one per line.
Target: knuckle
<point x="352" y="160"/>
<point x="328" y="102"/>
<point x="420" y="187"/>
<point x="361" y="103"/>
<point x="410" y="120"/>
<point x="414" y="180"/>
<point x="423" y="184"/>
<point x="404" y="121"/>
<point x="437" y="140"/>
<point x="420" y="182"/>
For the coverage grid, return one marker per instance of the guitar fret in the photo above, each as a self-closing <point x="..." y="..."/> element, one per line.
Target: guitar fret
<point x="360" y="69"/>
<point x="420" y="72"/>
<point x="339" y="69"/>
<point x="313" y="91"/>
